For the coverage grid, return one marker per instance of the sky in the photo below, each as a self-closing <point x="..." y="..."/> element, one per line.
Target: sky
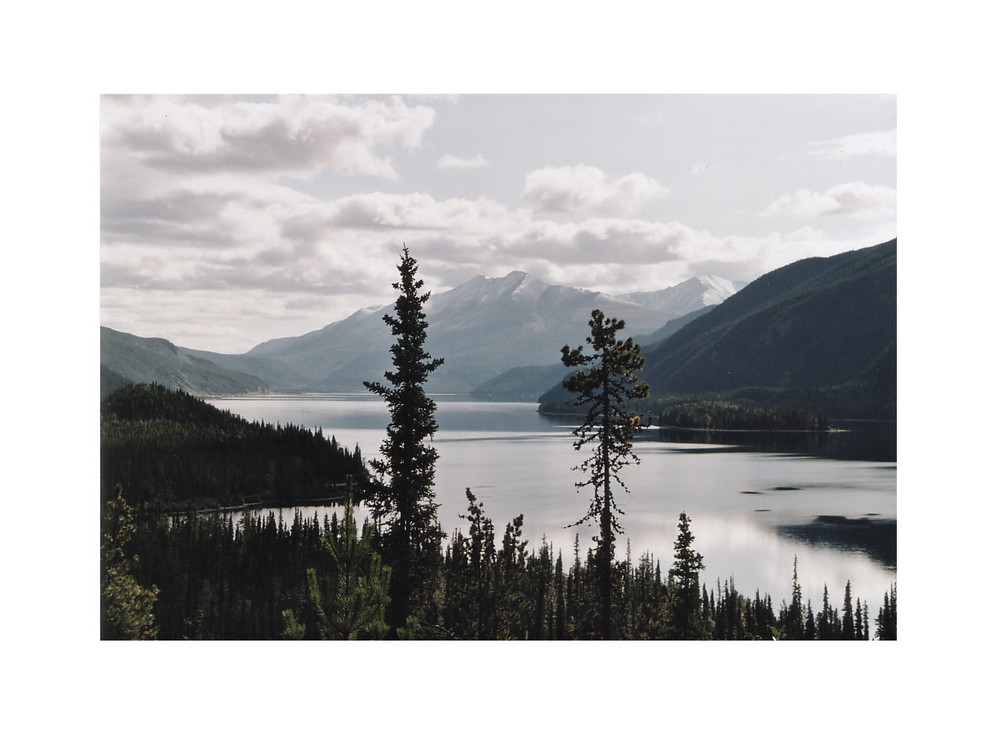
<point x="227" y="220"/>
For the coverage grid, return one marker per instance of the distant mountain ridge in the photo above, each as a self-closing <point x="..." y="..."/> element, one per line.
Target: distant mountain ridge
<point x="526" y="383"/>
<point x="818" y="325"/>
<point x="686" y="297"/>
<point x="126" y="358"/>
<point x="481" y="328"/>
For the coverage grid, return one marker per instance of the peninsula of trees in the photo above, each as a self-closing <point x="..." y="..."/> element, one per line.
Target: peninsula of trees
<point x="168" y="450"/>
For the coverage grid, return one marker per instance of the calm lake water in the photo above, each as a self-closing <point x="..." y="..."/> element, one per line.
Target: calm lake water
<point x="755" y="504"/>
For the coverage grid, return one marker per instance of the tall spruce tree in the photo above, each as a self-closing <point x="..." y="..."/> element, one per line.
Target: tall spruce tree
<point x="685" y="605"/>
<point x="402" y="501"/>
<point x="886" y="621"/>
<point x="604" y="386"/>
<point x="848" y="624"/>
<point x="795" y="620"/>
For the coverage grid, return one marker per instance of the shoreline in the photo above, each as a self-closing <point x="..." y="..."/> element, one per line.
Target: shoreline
<point x="283" y="503"/>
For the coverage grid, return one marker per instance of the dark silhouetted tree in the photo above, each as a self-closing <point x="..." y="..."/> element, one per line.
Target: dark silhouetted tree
<point x="606" y="383"/>
<point x="402" y="501"/>
<point x="886" y="621"/>
<point x="794" y="621"/>
<point x="847" y="629"/>
<point x="685" y="603"/>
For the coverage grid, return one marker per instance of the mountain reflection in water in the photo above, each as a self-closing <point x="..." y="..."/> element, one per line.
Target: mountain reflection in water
<point x="850" y="440"/>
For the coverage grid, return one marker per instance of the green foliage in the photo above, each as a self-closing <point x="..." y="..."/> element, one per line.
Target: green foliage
<point x="731" y="416"/>
<point x="294" y="630"/>
<point x="171" y="451"/>
<point x="352" y="605"/>
<point x="403" y="498"/>
<point x="126" y="606"/>
<point x="410" y="630"/>
<point x="470" y="577"/>
<point x="886" y="621"/>
<point x="221" y="578"/>
<point x="684" y="607"/>
<point x="249" y="579"/>
<point x="604" y="386"/>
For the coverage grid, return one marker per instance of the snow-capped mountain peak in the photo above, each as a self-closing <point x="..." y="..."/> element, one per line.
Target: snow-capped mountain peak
<point x="688" y="296"/>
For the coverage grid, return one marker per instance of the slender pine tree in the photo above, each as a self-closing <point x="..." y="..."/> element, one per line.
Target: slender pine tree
<point x="604" y="386"/>
<point x="795" y="620"/>
<point x="848" y="610"/>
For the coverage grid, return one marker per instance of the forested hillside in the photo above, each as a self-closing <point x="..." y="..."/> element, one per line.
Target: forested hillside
<point x="819" y="334"/>
<point x="167" y="449"/>
<point x="126" y="358"/>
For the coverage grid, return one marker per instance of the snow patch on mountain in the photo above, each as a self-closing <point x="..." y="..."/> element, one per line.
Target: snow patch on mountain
<point x="686" y="297"/>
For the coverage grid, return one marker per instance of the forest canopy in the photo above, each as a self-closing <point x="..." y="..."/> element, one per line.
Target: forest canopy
<point x="168" y="450"/>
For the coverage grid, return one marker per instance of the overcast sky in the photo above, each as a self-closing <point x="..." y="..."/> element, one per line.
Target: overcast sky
<point x="226" y="221"/>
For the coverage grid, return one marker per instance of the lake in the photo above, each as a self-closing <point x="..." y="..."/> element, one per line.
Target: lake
<point x="755" y="502"/>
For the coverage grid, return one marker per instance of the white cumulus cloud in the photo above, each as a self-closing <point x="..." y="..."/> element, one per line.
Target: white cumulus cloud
<point x="580" y="188"/>
<point x="882" y="143"/>
<point x="294" y="136"/>
<point x="454" y="161"/>
<point x="856" y="199"/>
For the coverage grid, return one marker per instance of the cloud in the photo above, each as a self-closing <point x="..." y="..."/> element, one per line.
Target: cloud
<point x="453" y="161"/>
<point x="410" y="212"/>
<point x="225" y="221"/>
<point x="296" y="263"/>
<point x="293" y="136"/>
<point x="578" y="188"/>
<point x="855" y="200"/>
<point x="866" y="143"/>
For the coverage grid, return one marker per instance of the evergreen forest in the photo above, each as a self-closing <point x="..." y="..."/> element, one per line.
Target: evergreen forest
<point x="171" y="572"/>
<point x="216" y="577"/>
<point x="170" y="451"/>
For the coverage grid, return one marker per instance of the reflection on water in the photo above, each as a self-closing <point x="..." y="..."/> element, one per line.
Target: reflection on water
<point x="851" y="440"/>
<point x="874" y="537"/>
<point x="755" y="500"/>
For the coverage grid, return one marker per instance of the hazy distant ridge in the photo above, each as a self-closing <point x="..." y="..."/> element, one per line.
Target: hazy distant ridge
<point x="481" y="328"/>
<point x="127" y="358"/>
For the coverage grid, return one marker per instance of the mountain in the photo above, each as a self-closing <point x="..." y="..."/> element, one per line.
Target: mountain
<point x="671" y="327"/>
<point x="688" y="296"/>
<point x="526" y="383"/>
<point x="826" y="324"/>
<point x="172" y="450"/>
<point x="481" y="328"/>
<point x="521" y="383"/>
<point x="126" y="358"/>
